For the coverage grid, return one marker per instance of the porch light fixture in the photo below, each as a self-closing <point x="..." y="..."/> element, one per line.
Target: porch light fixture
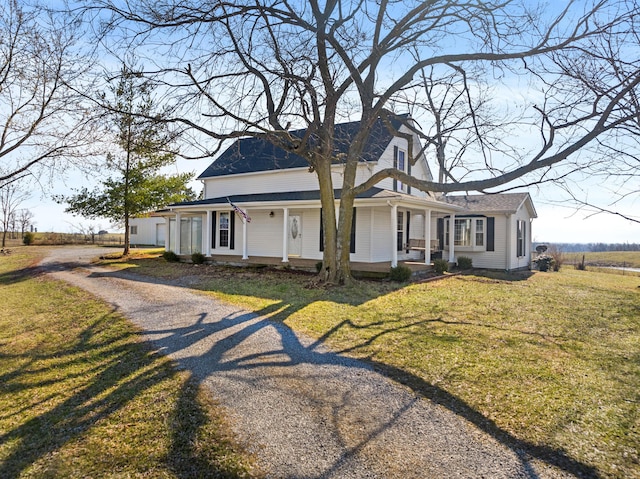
<point x="271" y="214"/>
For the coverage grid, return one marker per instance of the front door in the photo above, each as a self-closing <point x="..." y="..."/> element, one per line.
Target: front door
<point x="295" y="235"/>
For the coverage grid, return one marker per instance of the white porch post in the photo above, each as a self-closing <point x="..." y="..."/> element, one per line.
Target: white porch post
<point x="245" y="254"/>
<point x="285" y="236"/>
<point x="452" y="240"/>
<point x="177" y="241"/>
<point x="167" y="233"/>
<point x="207" y="234"/>
<point x="394" y="236"/>
<point x="427" y="237"/>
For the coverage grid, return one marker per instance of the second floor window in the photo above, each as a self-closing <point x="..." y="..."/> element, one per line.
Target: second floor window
<point x="401" y="167"/>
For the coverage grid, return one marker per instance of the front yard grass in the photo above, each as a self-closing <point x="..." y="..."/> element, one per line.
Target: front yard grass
<point x="82" y="396"/>
<point x="549" y="363"/>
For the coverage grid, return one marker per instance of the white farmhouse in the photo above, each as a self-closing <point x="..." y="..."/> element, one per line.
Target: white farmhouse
<point x="278" y="211"/>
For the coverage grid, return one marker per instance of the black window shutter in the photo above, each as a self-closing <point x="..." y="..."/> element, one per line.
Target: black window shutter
<point x="352" y="240"/>
<point x="214" y="224"/>
<point x="491" y="234"/>
<point x="395" y="165"/>
<point x="409" y="173"/>
<point x="440" y="232"/>
<point x="321" y="232"/>
<point x="408" y="229"/>
<point x="524" y="238"/>
<point x="232" y="230"/>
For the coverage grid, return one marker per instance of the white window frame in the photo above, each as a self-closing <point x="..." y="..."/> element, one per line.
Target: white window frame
<point x="521" y="238"/>
<point x="133" y="229"/>
<point x="224" y="242"/>
<point x="402" y="163"/>
<point x="471" y="232"/>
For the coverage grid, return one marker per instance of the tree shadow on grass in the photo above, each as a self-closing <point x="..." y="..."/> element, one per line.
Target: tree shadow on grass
<point x="109" y="373"/>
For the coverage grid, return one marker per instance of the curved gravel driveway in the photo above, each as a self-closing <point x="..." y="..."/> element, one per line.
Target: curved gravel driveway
<point x="302" y="410"/>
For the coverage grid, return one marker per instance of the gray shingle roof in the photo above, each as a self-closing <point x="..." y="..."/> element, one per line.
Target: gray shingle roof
<point x="247" y="155"/>
<point x="280" y="196"/>
<point x="488" y="203"/>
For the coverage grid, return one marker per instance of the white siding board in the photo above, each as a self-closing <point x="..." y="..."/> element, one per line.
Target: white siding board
<point x="381" y="237"/>
<point x="147" y="228"/>
<point x="264" y="233"/>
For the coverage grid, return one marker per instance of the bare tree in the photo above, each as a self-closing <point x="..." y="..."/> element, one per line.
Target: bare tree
<point x="10" y="199"/>
<point x="24" y="217"/>
<point x="258" y="68"/>
<point x="42" y="119"/>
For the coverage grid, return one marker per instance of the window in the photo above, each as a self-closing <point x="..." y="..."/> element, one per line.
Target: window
<point x="521" y="238"/>
<point x="401" y="167"/>
<point x="133" y="230"/>
<point x="467" y="232"/>
<point x="400" y="231"/>
<point x="479" y="232"/>
<point x="191" y="235"/>
<point x="224" y="230"/>
<point x="462" y="232"/>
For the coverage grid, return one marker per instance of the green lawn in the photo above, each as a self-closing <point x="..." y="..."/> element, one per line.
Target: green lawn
<point x="548" y="363"/>
<point x="82" y="396"/>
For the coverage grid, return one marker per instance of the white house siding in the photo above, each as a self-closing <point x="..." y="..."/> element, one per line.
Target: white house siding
<point x="496" y="259"/>
<point x="298" y="179"/>
<point x="263" y="182"/>
<point x="522" y="261"/>
<point x="381" y="235"/>
<point x="147" y="230"/>
<point x="419" y="170"/>
<point x="264" y="233"/>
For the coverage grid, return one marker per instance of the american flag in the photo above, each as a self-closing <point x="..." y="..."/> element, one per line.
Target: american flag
<point x="242" y="214"/>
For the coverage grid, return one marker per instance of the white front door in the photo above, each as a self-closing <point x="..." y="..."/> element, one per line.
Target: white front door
<point x="295" y="235"/>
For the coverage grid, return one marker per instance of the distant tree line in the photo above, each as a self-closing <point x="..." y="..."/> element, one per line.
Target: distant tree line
<point x="592" y="247"/>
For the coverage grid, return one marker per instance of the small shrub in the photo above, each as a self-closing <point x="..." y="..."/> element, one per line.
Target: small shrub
<point x="170" y="256"/>
<point x="319" y="266"/>
<point x="580" y="265"/>
<point x="28" y="238"/>
<point x="544" y="262"/>
<point x="400" y="273"/>
<point x="197" y="258"/>
<point x="464" y="262"/>
<point x="558" y="257"/>
<point x="440" y="266"/>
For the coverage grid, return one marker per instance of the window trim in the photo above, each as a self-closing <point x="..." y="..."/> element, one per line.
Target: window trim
<point x="224" y="242"/>
<point x="521" y="238"/>
<point x="472" y="232"/>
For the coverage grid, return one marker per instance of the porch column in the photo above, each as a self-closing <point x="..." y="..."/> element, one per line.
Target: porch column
<point x="167" y="233"/>
<point x="245" y="254"/>
<point x="427" y="237"/>
<point x="177" y="241"/>
<point x="394" y="236"/>
<point x="207" y="234"/>
<point x="285" y="235"/>
<point x="452" y="240"/>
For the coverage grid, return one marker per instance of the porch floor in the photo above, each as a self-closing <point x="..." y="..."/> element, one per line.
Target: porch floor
<point x="310" y="264"/>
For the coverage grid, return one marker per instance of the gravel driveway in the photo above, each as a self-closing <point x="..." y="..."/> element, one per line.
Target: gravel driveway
<point x="302" y="410"/>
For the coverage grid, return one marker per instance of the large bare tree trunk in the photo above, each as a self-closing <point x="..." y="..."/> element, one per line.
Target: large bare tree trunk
<point x="329" y="257"/>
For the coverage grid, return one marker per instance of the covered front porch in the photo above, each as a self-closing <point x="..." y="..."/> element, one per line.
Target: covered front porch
<point x="388" y="229"/>
<point x="303" y="264"/>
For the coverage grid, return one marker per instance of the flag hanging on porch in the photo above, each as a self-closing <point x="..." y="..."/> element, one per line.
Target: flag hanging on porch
<point x="239" y="212"/>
